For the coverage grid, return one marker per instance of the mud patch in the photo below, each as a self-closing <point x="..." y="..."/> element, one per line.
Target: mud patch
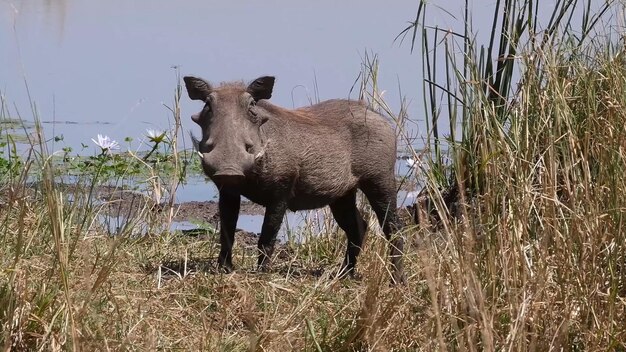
<point x="208" y="212"/>
<point x="117" y="201"/>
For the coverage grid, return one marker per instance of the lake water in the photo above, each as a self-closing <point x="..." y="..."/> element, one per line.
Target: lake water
<point x="111" y="66"/>
<point x="107" y="66"/>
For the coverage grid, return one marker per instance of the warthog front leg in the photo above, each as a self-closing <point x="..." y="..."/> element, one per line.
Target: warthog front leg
<point x="274" y="214"/>
<point x="229" y="213"/>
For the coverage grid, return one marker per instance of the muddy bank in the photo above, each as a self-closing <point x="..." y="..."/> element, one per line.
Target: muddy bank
<point x="130" y="202"/>
<point x="208" y="211"/>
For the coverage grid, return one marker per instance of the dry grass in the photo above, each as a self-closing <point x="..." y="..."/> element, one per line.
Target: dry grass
<point x="531" y="257"/>
<point x="135" y="294"/>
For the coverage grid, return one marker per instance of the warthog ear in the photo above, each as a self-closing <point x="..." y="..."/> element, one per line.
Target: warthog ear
<point x="197" y="88"/>
<point x="261" y="88"/>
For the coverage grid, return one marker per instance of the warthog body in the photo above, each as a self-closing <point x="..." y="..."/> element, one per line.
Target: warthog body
<point x="296" y="159"/>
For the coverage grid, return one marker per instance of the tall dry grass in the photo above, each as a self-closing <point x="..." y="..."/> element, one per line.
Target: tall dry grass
<point x="525" y="249"/>
<point x="529" y="254"/>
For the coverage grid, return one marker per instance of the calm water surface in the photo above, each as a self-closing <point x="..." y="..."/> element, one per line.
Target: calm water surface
<point x="107" y="66"/>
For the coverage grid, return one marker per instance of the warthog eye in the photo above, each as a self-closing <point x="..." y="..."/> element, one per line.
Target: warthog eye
<point x="249" y="148"/>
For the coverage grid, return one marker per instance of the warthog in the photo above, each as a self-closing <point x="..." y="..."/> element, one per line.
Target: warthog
<point x="299" y="159"/>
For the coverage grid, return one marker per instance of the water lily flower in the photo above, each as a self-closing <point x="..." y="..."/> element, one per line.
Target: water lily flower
<point x="156" y="136"/>
<point x="411" y="163"/>
<point x="105" y="143"/>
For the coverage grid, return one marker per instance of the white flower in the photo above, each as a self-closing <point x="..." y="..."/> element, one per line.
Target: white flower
<point x="105" y="143"/>
<point x="155" y="136"/>
<point x="411" y="163"/>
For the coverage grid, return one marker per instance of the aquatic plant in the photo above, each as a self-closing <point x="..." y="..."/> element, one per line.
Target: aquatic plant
<point x="106" y="144"/>
<point x="156" y="137"/>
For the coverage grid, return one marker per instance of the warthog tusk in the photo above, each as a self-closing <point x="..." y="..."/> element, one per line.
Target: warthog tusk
<point x="196" y="144"/>
<point x="260" y="154"/>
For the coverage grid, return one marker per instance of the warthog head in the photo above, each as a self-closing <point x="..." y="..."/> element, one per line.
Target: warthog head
<point x="231" y="141"/>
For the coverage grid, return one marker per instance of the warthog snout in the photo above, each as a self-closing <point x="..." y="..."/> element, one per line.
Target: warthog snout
<point x="228" y="178"/>
<point x="226" y="171"/>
